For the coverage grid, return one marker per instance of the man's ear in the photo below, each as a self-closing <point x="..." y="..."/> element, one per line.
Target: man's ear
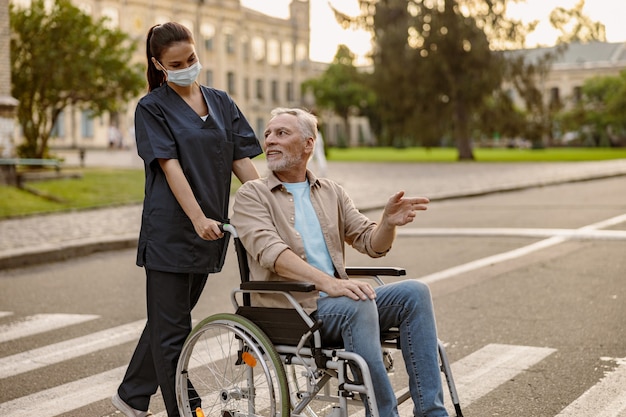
<point x="309" y="144"/>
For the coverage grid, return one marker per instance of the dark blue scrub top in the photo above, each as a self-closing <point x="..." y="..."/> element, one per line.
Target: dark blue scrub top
<point x="166" y="127"/>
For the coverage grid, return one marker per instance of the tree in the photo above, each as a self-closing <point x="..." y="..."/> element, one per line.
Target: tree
<point x="341" y="88"/>
<point x="575" y="26"/>
<point x="527" y="74"/>
<point x="600" y="111"/>
<point x="61" y="57"/>
<point x="434" y="67"/>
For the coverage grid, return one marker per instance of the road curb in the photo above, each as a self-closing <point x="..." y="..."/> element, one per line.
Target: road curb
<point x="34" y="255"/>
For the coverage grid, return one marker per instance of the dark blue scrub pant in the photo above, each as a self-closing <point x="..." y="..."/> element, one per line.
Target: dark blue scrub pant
<point x="170" y="298"/>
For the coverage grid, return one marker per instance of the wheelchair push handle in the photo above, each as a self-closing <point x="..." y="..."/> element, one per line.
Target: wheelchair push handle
<point x="226" y="227"/>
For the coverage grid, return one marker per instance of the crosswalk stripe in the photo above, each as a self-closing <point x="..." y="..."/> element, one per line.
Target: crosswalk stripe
<point x="58" y="352"/>
<point x="76" y="394"/>
<point x="487" y="368"/>
<point x="40" y="323"/>
<point x="5" y="313"/>
<point x="605" y="399"/>
<point x="484" y="370"/>
<point x="64" y="398"/>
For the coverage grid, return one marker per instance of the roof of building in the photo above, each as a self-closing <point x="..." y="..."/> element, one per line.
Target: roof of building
<point x="582" y="54"/>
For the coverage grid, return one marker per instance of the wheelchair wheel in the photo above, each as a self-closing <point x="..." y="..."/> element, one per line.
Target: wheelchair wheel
<point x="229" y="368"/>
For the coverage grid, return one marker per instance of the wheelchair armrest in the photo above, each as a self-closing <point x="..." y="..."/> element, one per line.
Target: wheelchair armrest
<point x="375" y="270"/>
<point x="277" y="286"/>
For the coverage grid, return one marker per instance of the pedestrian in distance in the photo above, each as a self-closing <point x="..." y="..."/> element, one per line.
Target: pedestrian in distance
<point x="192" y="138"/>
<point x="294" y="226"/>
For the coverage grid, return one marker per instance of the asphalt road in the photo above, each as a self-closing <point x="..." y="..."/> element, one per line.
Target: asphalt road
<point x="528" y="288"/>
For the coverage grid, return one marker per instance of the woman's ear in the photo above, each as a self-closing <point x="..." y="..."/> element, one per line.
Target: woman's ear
<point x="156" y="64"/>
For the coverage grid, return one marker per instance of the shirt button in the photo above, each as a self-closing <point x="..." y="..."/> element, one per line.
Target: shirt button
<point x="297" y="234"/>
<point x="291" y="199"/>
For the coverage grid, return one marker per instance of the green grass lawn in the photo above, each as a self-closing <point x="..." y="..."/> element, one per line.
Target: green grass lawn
<point x="96" y="188"/>
<point x="481" y="155"/>
<point x="107" y="187"/>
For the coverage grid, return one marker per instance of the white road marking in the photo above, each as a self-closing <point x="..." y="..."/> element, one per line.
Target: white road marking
<point x="67" y="397"/>
<point x="64" y="398"/>
<point x="485" y="370"/>
<point x="481" y="372"/>
<point x="69" y="349"/>
<point x="5" y="313"/>
<point x="572" y="234"/>
<point x="517" y="253"/>
<point x="40" y="323"/>
<point x="607" y="398"/>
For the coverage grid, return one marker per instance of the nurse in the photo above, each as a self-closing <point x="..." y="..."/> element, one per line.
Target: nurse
<point x="191" y="139"/>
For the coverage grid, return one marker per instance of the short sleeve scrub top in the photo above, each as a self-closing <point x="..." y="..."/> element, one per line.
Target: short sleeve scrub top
<point x="166" y="127"/>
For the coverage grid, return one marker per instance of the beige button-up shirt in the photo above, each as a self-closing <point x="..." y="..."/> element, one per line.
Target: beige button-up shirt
<point x="264" y="215"/>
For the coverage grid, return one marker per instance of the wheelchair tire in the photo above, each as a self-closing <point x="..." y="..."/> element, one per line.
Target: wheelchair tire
<point x="229" y="368"/>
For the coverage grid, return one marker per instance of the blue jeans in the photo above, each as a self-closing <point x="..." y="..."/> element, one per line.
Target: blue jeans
<point x="408" y="306"/>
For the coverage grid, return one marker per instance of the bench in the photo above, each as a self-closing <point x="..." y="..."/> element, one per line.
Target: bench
<point x="8" y="168"/>
<point x="39" y="162"/>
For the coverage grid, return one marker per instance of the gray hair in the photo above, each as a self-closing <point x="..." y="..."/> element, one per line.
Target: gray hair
<point x="307" y="122"/>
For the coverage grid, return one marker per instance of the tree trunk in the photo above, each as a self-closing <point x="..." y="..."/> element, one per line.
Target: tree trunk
<point x="461" y="131"/>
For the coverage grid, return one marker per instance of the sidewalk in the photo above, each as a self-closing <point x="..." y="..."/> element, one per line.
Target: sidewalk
<point x="47" y="238"/>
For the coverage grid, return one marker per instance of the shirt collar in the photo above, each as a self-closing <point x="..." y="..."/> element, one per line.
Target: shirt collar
<point x="273" y="181"/>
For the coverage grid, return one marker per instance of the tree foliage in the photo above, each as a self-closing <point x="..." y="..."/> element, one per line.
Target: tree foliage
<point x="341" y="88"/>
<point x="599" y="114"/>
<point x="61" y="57"/>
<point x="434" y="66"/>
<point x="441" y="72"/>
<point x="575" y="26"/>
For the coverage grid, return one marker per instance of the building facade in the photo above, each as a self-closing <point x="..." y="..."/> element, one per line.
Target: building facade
<point x="579" y="62"/>
<point x="260" y="60"/>
<point x="7" y="102"/>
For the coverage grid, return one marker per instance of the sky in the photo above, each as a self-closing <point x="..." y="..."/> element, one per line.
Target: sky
<point x="327" y="34"/>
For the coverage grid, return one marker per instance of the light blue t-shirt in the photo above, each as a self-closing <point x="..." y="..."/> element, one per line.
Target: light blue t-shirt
<point x="308" y="225"/>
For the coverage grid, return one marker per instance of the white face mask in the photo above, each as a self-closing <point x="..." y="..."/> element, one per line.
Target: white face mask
<point x="184" y="77"/>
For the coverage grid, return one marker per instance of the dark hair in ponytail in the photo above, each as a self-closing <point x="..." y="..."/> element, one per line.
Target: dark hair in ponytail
<point x="161" y="37"/>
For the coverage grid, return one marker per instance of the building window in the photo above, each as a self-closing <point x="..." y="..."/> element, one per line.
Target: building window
<point x="229" y="43"/>
<point x="302" y="52"/>
<point x="246" y="88"/>
<point x="258" y="48"/>
<point x="86" y="124"/>
<point x="289" y="92"/>
<point x="230" y="80"/>
<point x="273" y="52"/>
<point x="58" y="130"/>
<point x="578" y="94"/>
<point x="207" y="31"/>
<point x="245" y="49"/>
<point x="555" y="100"/>
<point x="259" y="89"/>
<point x="287" y="53"/>
<point x="208" y="74"/>
<point x="275" y="91"/>
<point x="260" y="127"/>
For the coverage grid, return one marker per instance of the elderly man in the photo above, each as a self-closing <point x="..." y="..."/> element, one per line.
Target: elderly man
<point x="294" y="225"/>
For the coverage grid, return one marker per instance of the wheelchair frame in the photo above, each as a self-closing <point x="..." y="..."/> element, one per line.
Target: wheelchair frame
<point x="263" y="361"/>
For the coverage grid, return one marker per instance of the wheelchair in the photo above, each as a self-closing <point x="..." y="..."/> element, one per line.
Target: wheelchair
<point x="270" y="362"/>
